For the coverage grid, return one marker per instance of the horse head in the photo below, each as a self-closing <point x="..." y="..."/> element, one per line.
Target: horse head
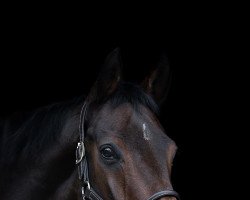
<point x="128" y="152"/>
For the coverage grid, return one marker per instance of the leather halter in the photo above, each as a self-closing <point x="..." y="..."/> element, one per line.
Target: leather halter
<point x="87" y="191"/>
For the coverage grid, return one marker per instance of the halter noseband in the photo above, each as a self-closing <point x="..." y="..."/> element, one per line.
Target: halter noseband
<point x="87" y="191"/>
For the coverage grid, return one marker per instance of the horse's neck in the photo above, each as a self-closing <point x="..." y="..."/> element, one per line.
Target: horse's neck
<point x="54" y="175"/>
<point x="69" y="189"/>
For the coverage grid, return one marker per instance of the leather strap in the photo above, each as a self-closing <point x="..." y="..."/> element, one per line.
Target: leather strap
<point x="81" y="161"/>
<point x="165" y="193"/>
<point x="87" y="191"/>
<point x="90" y="194"/>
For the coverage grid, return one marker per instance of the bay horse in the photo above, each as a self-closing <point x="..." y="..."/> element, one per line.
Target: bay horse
<point x="109" y="145"/>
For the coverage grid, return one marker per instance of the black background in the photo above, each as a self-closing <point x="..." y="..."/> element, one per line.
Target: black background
<point x="51" y="56"/>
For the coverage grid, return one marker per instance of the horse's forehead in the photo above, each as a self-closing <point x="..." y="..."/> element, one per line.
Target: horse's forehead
<point x="124" y="120"/>
<point x="126" y="127"/>
<point x="122" y="116"/>
<point x="121" y="113"/>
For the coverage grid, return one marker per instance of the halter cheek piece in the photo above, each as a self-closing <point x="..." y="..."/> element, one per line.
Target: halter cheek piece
<point x="88" y="193"/>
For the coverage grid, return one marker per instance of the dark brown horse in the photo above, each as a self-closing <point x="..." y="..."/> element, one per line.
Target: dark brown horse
<point x="123" y="151"/>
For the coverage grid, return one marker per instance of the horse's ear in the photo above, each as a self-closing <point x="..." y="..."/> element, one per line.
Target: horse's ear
<point x="108" y="78"/>
<point x="157" y="84"/>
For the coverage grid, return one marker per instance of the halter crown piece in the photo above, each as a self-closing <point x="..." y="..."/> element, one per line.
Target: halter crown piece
<point x="87" y="191"/>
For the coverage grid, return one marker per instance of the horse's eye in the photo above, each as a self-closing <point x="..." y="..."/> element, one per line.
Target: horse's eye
<point x="108" y="153"/>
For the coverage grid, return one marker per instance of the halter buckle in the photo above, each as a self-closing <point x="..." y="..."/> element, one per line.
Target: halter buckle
<point x="85" y="185"/>
<point x="80" y="152"/>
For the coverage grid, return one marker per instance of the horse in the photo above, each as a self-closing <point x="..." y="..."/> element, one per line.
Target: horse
<point x="109" y="145"/>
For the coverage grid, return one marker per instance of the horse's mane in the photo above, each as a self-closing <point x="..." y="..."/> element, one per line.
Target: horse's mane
<point x="24" y="135"/>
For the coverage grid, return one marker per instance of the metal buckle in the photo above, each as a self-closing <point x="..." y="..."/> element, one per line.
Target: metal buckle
<point x="80" y="152"/>
<point x="83" y="193"/>
<point x="85" y="185"/>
